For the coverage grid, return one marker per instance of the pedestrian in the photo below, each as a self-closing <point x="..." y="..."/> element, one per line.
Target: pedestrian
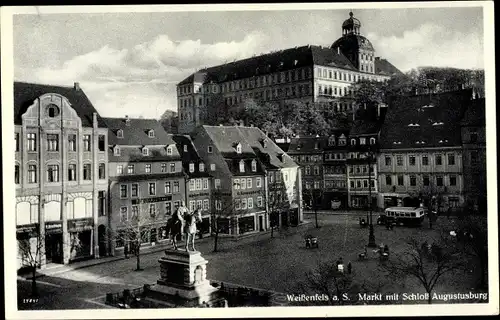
<point x="349" y="268"/>
<point x="125" y="250"/>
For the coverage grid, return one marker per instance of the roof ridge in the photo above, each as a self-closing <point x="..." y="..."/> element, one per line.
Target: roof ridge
<point x="45" y="84"/>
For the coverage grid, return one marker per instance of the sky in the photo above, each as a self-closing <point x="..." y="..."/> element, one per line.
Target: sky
<point x="129" y="63"/>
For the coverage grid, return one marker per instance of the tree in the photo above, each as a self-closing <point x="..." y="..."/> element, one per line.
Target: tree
<point x="339" y="287"/>
<point x="135" y="231"/>
<point x="315" y="197"/>
<point x="277" y="200"/>
<point x="31" y="252"/>
<point x="472" y="240"/>
<point x="216" y="111"/>
<point x="167" y="121"/>
<point x="425" y="261"/>
<point x="223" y="208"/>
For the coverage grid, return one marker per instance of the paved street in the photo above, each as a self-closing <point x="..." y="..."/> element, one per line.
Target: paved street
<point x="277" y="263"/>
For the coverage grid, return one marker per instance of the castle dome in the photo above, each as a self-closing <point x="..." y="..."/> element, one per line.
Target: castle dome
<point x="351" y="22"/>
<point x="354" y="42"/>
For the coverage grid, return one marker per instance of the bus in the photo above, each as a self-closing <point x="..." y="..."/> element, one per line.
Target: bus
<point x="403" y="215"/>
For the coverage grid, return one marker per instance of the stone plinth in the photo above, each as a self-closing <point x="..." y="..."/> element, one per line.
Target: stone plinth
<point x="183" y="278"/>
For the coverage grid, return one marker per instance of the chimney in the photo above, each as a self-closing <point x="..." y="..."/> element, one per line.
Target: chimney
<point x="338" y="50"/>
<point x="76" y="86"/>
<point x="127" y="121"/>
<point x="94" y="120"/>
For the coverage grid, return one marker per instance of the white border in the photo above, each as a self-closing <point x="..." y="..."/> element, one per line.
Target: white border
<point x="422" y="310"/>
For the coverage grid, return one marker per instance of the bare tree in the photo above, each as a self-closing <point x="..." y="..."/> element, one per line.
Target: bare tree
<point x="472" y="240"/>
<point x="424" y="261"/>
<point x="223" y="208"/>
<point x="315" y="196"/>
<point x="31" y="251"/>
<point x="277" y="201"/>
<point x="135" y="231"/>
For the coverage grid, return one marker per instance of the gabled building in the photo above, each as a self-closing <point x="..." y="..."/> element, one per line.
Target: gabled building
<point x="60" y="174"/>
<point x="198" y="181"/>
<point x="306" y="73"/>
<point x="146" y="178"/>
<point x="473" y="132"/>
<point x="283" y="187"/>
<point x="421" y="150"/>
<point x="243" y="158"/>
<point x="308" y="153"/>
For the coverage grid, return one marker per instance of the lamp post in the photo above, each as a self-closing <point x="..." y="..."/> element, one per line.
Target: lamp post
<point x="371" y="236"/>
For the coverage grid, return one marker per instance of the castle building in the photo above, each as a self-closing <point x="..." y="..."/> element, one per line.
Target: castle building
<point x="61" y="178"/>
<point x="308" y="73"/>
<point x="146" y="181"/>
<point x="421" y="155"/>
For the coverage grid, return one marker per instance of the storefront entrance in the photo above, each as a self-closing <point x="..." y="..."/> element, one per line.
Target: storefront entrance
<point x="54" y="248"/>
<point x="261" y="223"/>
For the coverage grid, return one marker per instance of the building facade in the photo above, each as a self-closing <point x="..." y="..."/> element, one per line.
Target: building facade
<point x="307" y="73"/>
<point x="241" y="157"/>
<point x="335" y="169"/>
<point x="308" y="152"/>
<point x="60" y="173"/>
<point x="421" y="150"/>
<point x="146" y="180"/>
<point x="473" y="131"/>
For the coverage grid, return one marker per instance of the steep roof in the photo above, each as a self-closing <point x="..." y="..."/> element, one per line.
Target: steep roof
<point x="364" y="127"/>
<point x="136" y="134"/>
<point x="225" y="139"/>
<point x="307" y="145"/>
<point x="190" y="156"/>
<point x="25" y="93"/>
<point x="475" y="116"/>
<point x="276" y="61"/>
<point x="424" y="121"/>
<point x="271" y="156"/>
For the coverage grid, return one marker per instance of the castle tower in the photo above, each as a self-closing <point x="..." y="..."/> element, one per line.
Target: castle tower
<point x="354" y="46"/>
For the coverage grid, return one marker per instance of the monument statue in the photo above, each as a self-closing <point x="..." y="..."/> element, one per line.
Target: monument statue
<point x="190" y="220"/>
<point x="183" y="221"/>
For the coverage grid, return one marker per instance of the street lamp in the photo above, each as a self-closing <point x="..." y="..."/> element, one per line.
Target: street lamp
<point x="371" y="236"/>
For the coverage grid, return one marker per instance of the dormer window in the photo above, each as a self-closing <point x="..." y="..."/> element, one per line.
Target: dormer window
<point x="372" y="140"/>
<point x="280" y="157"/>
<point x="169" y="151"/>
<point x="52" y="111"/>
<point x="362" y="141"/>
<point x="254" y="166"/>
<point x="145" y="151"/>
<point x="116" y="151"/>
<point x="438" y="124"/>
<point x="299" y="146"/>
<point x="331" y="141"/>
<point x="210" y="149"/>
<point x="212" y="166"/>
<point x="238" y="148"/>
<point x="151" y="133"/>
<point x="242" y="166"/>
<point x="119" y="134"/>
<point x="202" y="167"/>
<point x="191" y="167"/>
<point x="185" y="148"/>
<point x="413" y="125"/>
<point x="263" y="142"/>
<point x="316" y="145"/>
<point x="353" y="142"/>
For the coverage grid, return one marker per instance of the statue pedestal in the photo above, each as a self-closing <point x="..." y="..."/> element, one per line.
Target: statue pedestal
<point x="183" y="279"/>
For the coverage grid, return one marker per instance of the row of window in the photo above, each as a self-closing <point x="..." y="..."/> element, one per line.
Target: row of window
<point x="412" y="160"/>
<point x="147" y="168"/>
<point x="425" y="179"/>
<point x="198" y="184"/>
<point x="350" y="77"/>
<point x="53" y="142"/>
<point x="340" y="184"/>
<point x="335" y="156"/>
<point x="53" y="172"/>
<point x="356" y="184"/>
<point x="144" y="151"/>
<point x="308" y="170"/>
<point x="243" y="204"/>
<point x="246" y="183"/>
<point x="169" y="188"/>
<point x="329" y="90"/>
<point x="199" y="204"/>
<point x="361" y="169"/>
<point x="305" y="158"/>
<point x="270" y="94"/>
<point x="276" y="176"/>
<point x="334" y="169"/>
<point x="316" y="185"/>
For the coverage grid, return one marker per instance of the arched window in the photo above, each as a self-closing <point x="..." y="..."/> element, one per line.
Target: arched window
<point x="353" y="142"/>
<point x="372" y="140"/>
<point x="145" y="151"/>
<point x="254" y="165"/>
<point x="242" y="166"/>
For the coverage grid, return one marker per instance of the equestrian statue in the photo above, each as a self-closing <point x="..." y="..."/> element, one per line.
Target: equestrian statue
<point x="184" y="222"/>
